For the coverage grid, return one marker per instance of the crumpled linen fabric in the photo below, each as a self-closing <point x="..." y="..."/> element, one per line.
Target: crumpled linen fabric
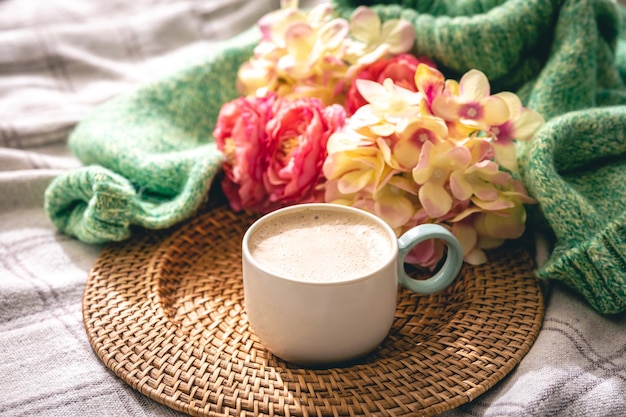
<point x="576" y="367"/>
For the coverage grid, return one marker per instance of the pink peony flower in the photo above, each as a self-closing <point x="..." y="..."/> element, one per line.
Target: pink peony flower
<point x="297" y="138"/>
<point x="274" y="149"/>
<point x="240" y="135"/>
<point x="400" y="68"/>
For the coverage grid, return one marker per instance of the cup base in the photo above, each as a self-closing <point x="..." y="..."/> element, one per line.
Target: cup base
<point x="327" y="362"/>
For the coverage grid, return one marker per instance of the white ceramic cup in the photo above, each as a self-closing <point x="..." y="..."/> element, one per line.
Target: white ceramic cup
<point x="329" y="321"/>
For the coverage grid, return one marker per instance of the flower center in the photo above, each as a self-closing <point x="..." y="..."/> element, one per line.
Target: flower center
<point x="396" y="105"/>
<point x="287" y="147"/>
<point x="439" y="175"/>
<point x="472" y="178"/>
<point x="421" y="136"/>
<point x="471" y="111"/>
<point x="229" y="151"/>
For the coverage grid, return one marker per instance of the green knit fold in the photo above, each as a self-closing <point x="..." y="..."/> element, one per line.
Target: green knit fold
<point x="150" y="154"/>
<point x="576" y="168"/>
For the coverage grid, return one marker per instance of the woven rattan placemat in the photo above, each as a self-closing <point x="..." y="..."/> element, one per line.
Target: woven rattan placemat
<point x="165" y="312"/>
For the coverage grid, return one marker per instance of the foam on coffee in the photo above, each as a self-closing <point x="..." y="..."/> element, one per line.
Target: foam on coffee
<point x="320" y="246"/>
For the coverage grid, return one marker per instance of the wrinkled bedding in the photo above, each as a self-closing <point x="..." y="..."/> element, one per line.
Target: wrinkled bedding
<point x="61" y="58"/>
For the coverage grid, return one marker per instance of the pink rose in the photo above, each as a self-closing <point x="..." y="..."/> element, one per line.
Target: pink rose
<point x="240" y="135"/>
<point x="426" y="254"/>
<point x="401" y="69"/>
<point x="274" y="150"/>
<point x="298" y="134"/>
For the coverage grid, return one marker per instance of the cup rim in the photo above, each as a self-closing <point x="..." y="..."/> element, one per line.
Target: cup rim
<point x="393" y="240"/>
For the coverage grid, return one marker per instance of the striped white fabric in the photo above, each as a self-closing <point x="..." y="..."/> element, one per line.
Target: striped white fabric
<point x="59" y="59"/>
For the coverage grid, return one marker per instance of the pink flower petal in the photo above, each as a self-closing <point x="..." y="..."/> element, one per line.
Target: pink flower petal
<point x="429" y="81"/>
<point x="426" y="254"/>
<point x="404" y="184"/>
<point x="460" y="186"/>
<point x="394" y="208"/>
<point x="333" y="195"/>
<point x="435" y="200"/>
<point x="457" y="157"/>
<point x="480" y="148"/>
<point x="485" y="190"/>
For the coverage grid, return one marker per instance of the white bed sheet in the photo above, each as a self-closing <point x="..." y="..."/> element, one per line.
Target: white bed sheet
<point x="61" y="58"/>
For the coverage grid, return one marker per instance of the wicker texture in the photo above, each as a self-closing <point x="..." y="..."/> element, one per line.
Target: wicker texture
<point x="165" y="312"/>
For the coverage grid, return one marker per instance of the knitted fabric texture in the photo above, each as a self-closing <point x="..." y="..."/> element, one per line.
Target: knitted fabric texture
<point x="151" y="157"/>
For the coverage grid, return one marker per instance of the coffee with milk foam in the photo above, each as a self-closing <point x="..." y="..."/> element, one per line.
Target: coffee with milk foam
<point x="320" y="246"/>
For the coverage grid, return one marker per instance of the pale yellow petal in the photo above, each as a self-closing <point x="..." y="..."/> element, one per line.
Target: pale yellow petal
<point x="343" y="141"/>
<point x="393" y="207"/>
<point x="353" y="182"/>
<point x="502" y="227"/>
<point x="474" y="85"/>
<point x="506" y="155"/>
<point x="496" y="111"/>
<point x="332" y="34"/>
<point x="407" y="153"/>
<point x="475" y="257"/>
<point x="446" y="107"/>
<point x="466" y="235"/>
<point x="365" y="24"/>
<point x="383" y="129"/>
<point x="372" y="91"/>
<point x="399" y="35"/>
<point x="513" y="103"/>
<point x="320" y="14"/>
<point x="527" y="124"/>
<point x="299" y="40"/>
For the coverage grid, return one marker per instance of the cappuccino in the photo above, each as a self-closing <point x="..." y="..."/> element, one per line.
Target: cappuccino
<point x="321" y="246"/>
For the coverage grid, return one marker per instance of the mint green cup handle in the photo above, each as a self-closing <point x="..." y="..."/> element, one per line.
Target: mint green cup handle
<point x="448" y="271"/>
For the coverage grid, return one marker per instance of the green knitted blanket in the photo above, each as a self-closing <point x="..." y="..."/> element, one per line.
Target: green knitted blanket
<point x="150" y="157"/>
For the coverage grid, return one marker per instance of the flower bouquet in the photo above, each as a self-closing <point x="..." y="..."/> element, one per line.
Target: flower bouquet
<point x="340" y="111"/>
